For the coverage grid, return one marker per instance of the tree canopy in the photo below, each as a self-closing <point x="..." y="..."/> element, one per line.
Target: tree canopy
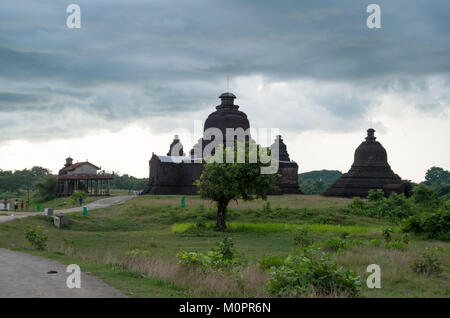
<point x="222" y="181"/>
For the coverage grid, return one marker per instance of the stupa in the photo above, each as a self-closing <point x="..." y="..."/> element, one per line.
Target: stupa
<point x="176" y="172"/>
<point x="370" y="170"/>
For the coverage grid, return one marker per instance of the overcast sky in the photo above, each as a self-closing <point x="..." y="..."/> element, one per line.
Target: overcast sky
<point x="117" y="89"/>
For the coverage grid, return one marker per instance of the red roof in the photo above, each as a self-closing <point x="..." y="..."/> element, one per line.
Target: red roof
<point x="78" y="164"/>
<point x="85" y="177"/>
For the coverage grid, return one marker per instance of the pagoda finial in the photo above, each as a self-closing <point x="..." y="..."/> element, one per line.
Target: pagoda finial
<point x="371" y="135"/>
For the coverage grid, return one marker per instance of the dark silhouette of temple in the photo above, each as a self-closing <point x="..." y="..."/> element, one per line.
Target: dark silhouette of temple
<point x="370" y="170"/>
<point x="176" y="172"/>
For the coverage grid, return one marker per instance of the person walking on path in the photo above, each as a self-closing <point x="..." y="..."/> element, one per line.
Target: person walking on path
<point x="16" y="205"/>
<point x="81" y="200"/>
<point x="21" y="205"/>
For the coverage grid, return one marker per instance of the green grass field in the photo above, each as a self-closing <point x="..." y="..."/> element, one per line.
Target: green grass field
<point x="103" y="243"/>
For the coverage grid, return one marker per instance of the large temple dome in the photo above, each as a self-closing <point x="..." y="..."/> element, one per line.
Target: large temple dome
<point x="227" y="115"/>
<point x="370" y="152"/>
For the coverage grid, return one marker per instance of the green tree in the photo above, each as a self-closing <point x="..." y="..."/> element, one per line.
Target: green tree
<point x="223" y="182"/>
<point x="46" y="188"/>
<point x="436" y="176"/>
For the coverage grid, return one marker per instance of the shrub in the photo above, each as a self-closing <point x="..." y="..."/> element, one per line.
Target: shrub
<point x="46" y="189"/>
<point x="428" y="263"/>
<point x="336" y="244"/>
<point x="375" y="195"/>
<point x="37" y="237"/>
<point x="303" y="237"/>
<point x="223" y="258"/>
<point x="374" y="243"/>
<point x="434" y="225"/>
<point x="75" y="197"/>
<point x="397" y="245"/>
<point x="270" y="261"/>
<point x="386" y="232"/>
<point x="425" y="196"/>
<point x="312" y="273"/>
<point x="394" y="208"/>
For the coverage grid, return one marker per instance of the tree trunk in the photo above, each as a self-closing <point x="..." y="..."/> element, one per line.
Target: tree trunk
<point x="221" y="214"/>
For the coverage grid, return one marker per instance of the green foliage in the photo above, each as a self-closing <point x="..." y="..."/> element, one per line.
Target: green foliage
<point x="223" y="182"/>
<point x="425" y="196"/>
<point x="223" y="258"/>
<point x="75" y="197"/>
<point x="268" y="262"/>
<point x="386" y="232"/>
<point x="312" y="273"/>
<point x="336" y="244"/>
<point x="303" y="237"/>
<point x="264" y="228"/>
<point x="374" y="242"/>
<point x="125" y="182"/>
<point x="394" y="208"/>
<point x="428" y="263"/>
<point x="397" y="245"/>
<point x="14" y="181"/>
<point x="37" y="237"/>
<point x="434" y="225"/>
<point x="436" y="176"/>
<point x="46" y="189"/>
<point x="375" y="195"/>
<point x="317" y="182"/>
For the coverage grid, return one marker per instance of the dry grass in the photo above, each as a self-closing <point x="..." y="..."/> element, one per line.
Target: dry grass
<point x="397" y="277"/>
<point x="285" y="201"/>
<point x="249" y="283"/>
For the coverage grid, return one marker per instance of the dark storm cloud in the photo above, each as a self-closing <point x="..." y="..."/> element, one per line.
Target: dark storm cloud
<point x="144" y="58"/>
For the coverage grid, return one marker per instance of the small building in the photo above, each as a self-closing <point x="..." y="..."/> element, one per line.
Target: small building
<point x="81" y="176"/>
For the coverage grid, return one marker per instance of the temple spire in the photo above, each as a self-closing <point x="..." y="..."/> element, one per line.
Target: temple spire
<point x="371" y="135"/>
<point x="176" y="148"/>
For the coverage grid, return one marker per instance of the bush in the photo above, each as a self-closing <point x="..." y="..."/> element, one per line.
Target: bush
<point x="75" y="197"/>
<point x="397" y="245"/>
<point x="374" y="243"/>
<point x="425" y="196"/>
<point x="386" y="232"/>
<point x="375" y="195"/>
<point x="394" y="208"/>
<point x="336" y="244"/>
<point x="46" y="189"/>
<point x="312" y="273"/>
<point x="428" y="263"/>
<point x="223" y="258"/>
<point x="37" y="237"/>
<point x="434" y="225"/>
<point x="303" y="237"/>
<point x="270" y="261"/>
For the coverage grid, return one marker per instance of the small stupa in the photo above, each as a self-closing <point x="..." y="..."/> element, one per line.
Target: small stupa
<point x="370" y="170"/>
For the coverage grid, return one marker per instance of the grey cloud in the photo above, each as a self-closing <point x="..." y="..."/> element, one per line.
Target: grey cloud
<point x="137" y="59"/>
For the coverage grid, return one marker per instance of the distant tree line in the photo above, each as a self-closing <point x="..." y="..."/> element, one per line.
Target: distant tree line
<point x="40" y="182"/>
<point x="17" y="182"/>
<point x="125" y="182"/>
<point x="318" y="181"/>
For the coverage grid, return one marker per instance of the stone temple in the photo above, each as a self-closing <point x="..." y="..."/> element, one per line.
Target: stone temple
<point x="370" y="170"/>
<point x="175" y="172"/>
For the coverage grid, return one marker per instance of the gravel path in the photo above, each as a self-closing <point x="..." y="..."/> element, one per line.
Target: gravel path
<point x="25" y="276"/>
<point x="99" y="204"/>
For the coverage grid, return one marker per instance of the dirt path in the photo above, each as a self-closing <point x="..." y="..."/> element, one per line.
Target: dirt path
<point x="23" y="275"/>
<point x="99" y="204"/>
